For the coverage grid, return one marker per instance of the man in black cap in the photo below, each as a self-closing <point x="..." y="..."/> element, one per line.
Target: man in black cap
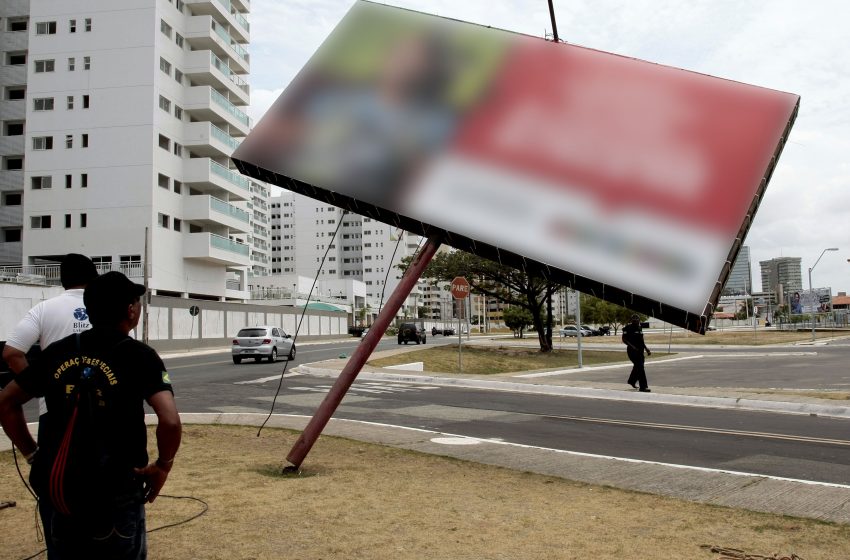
<point x="633" y="339"/>
<point x="90" y="467"/>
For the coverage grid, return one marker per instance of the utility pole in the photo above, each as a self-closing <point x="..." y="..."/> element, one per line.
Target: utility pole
<point x="147" y="296"/>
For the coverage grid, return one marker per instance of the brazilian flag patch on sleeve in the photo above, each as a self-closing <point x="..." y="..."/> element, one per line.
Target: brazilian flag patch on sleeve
<point x="165" y="378"/>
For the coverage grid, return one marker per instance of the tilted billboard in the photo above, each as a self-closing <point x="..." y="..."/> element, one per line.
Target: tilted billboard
<point x="624" y="179"/>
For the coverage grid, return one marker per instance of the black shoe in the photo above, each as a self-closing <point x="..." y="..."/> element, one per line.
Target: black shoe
<point x="645" y="390"/>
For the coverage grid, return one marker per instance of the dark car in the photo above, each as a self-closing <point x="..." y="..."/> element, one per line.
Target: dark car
<point x="445" y="332"/>
<point x="411" y="332"/>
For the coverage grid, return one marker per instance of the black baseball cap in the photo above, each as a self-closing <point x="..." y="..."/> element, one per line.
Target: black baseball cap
<point x="107" y="297"/>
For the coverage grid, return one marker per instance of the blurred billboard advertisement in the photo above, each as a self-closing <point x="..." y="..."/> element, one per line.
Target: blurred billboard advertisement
<point x="624" y="179"/>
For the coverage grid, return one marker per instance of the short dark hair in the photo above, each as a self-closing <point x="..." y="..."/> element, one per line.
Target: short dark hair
<point x="107" y="297"/>
<point x="76" y="271"/>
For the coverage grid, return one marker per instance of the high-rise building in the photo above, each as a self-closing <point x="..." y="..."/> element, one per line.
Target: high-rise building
<point x="14" y="40"/>
<point x="740" y="279"/>
<point x="132" y="110"/>
<point x="781" y="271"/>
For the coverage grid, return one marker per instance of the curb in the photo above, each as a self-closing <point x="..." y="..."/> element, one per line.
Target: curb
<point x="593" y="393"/>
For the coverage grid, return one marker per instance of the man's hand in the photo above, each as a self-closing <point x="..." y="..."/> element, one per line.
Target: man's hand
<point x="153" y="478"/>
<point x="648" y="352"/>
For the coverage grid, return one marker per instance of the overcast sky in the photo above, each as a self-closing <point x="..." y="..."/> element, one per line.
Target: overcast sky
<point x="793" y="46"/>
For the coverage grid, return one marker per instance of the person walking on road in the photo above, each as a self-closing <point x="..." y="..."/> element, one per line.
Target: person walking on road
<point x="635" y="346"/>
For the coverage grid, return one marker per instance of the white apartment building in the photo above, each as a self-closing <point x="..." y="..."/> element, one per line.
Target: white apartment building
<point x="132" y="111"/>
<point x="302" y="230"/>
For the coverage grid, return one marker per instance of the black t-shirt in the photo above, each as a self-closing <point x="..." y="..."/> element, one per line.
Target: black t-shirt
<point x="125" y="373"/>
<point x="634" y="337"/>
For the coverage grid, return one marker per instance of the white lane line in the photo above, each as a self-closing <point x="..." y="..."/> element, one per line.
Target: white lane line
<point x="559" y="451"/>
<point x="266" y="379"/>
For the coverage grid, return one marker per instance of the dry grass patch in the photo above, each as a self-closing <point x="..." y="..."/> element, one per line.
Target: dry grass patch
<point x="489" y="360"/>
<point x="363" y="501"/>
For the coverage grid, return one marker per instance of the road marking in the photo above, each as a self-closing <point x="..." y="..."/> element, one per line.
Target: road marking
<point x="678" y="427"/>
<point x="597" y="368"/>
<point x="265" y="379"/>
<point x="370" y="387"/>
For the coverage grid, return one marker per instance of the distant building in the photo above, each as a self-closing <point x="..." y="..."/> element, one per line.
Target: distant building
<point x="781" y="275"/>
<point x="740" y="279"/>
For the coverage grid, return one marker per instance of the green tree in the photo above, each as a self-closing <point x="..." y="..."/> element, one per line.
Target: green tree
<point x="601" y="312"/>
<point x="517" y="319"/>
<point x="505" y="284"/>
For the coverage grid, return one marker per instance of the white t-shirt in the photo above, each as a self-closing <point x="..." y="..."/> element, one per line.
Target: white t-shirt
<point x="49" y="321"/>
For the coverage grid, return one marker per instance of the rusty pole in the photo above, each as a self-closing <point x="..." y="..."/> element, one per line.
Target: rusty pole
<point x="349" y="373"/>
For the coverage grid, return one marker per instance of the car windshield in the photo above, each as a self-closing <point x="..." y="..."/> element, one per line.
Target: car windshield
<point x="247" y="333"/>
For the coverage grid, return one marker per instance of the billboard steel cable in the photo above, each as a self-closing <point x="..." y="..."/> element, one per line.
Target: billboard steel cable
<point x="598" y="171"/>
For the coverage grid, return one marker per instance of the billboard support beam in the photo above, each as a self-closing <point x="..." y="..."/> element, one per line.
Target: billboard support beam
<point x="349" y="373"/>
<point x="554" y="24"/>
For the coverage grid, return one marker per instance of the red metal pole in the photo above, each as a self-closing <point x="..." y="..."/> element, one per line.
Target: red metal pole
<point x="349" y="373"/>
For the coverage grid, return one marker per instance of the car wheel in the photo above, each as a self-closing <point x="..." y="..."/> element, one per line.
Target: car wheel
<point x="399" y="341"/>
<point x="424" y="339"/>
<point x="291" y="355"/>
<point x="273" y="355"/>
<point x="237" y="360"/>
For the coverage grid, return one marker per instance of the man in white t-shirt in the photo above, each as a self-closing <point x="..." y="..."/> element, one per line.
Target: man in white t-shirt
<point x="55" y="318"/>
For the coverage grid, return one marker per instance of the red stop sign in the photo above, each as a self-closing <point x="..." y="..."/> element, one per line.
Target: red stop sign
<point x="460" y="287"/>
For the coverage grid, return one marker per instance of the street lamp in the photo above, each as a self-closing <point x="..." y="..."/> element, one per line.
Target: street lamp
<point x="812" y="289"/>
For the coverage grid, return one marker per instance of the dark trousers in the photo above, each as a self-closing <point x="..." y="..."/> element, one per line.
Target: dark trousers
<point x="119" y="534"/>
<point x="638" y="372"/>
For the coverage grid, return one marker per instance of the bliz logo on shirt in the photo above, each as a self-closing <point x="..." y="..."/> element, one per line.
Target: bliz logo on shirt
<point x="80" y="314"/>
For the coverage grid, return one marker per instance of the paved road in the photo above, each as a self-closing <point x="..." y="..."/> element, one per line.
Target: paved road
<point x="791" y="446"/>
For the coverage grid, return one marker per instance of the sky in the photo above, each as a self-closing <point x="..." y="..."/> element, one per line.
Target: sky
<point x="787" y="45"/>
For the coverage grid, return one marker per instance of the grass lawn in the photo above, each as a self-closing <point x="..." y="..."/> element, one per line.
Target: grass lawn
<point x="367" y="502"/>
<point x="498" y="359"/>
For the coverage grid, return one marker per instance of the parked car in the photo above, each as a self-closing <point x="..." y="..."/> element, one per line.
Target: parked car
<point x="589" y="329"/>
<point x="408" y="332"/>
<point x="262" y="342"/>
<point x="604" y="330"/>
<point x="571" y="330"/>
<point x="445" y="332"/>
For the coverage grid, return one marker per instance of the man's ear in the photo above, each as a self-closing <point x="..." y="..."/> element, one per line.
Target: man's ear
<point x="131" y="311"/>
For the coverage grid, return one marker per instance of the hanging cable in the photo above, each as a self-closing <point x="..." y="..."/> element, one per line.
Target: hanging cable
<point x="301" y="320"/>
<point x="389" y="268"/>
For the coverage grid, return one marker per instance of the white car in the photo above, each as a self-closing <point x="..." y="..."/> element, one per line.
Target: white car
<point x="262" y="342"/>
<point x="571" y="330"/>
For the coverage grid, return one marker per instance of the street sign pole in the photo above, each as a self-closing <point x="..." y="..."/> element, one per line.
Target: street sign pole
<point x="460" y="290"/>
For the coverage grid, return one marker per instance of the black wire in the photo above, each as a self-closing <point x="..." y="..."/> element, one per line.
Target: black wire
<point x="197" y="515"/>
<point x="389" y="268"/>
<point x="301" y="320"/>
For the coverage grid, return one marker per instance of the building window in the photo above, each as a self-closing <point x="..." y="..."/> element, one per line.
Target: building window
<point x="165" y="66"/>
<point x="178" y="76"/>
<point x="41" y="182"/>
<point x="68" y="181"/>
<point x="13" y="129"/>
<point x="178" y="38"/>
<point x="44" y="65"/>
<point x="178" y="150"/>
<point x="71" y="64"/>
<point x="177" y="224"/>
<point x="16" y="58"/>
<point x="12" y="199"/>
<point x="162" y="181"/>
<point x="164" y="104"/>
<point x="45" y="28"/>
<point x="42" y="104"/>
<point x="16" y="92"/>
<point x="69" y="141"/>
<point x="85" y="140"/>
<point x="42" y="143"/>
<point x="165" y="28"/>
<point x="84" y="180"/>
<point x="178" y="113"/>
<point x="17" y="24"/>
<point x="40" y="222"/>
<point x="86" y="63"/>
<point x="67" y="220"/>
<point x="163" y="220"/>
<point x="164" y="142"/>
<point x="178" y="186"/>
<point x="85" y="101"/>
<point x="72" y="26"/>
<point x="12" y="235"/>
<point x="84" y="220"/>
<point x="88" y="24"/>
<point x="70" y="102"/>
<point x="12" y="163"/>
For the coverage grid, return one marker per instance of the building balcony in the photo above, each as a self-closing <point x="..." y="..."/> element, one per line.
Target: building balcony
<point x="225" y="12"/>
<point x="207" y="140"/>
<point x="210" y="247"/>
<point x="214" y="212"/>
<point x="14" y="74"/>
<point x="205" y="33"/>
<point x="206" y="104"/>
<point x="11" y="179"/>
<point x="205" y="68"/>
<point x="242" y="5"/>
<point x="210" y="177"/>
